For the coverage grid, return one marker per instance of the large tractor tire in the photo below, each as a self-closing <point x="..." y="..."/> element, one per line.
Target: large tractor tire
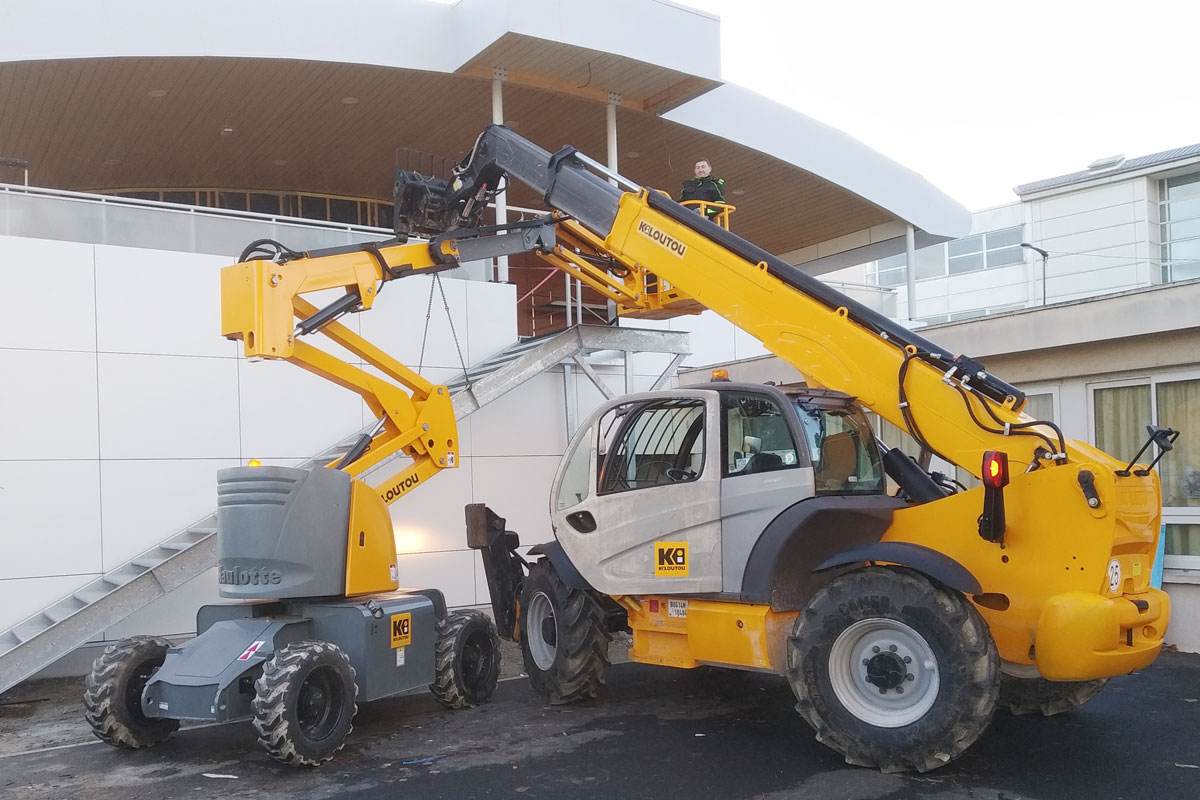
<point x="564" y="637"/>
<point x="466" y="660"/>
<point x="112" y="697"/>
<point x="1033" y="694"/>
<point x="892" y="670"/>
<point x="304" y="703"/>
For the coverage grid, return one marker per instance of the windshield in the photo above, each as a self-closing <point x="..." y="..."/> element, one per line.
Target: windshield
<point x="844" y="455"/>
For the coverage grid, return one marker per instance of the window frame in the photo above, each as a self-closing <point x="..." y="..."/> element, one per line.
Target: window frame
<point x="639" y="407"/>
<point x="1171" y="515"/>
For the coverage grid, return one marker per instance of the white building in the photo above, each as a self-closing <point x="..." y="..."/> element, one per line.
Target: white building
<point x="160" y="142"/>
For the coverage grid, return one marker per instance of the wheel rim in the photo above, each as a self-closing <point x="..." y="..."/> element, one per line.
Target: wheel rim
<point x="137" y="683"/>
<point x="477" y="658"/>
<point x="319" y="702"/>
<point x="541" y="631"/>
<point x="884" y="672"/>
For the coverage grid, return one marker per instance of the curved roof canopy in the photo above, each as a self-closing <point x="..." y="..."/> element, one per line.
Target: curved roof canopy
<point x="293" y="96"/>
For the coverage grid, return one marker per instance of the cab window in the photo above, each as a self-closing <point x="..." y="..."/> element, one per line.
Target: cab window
<point x="756" y="435"/>
<point x="573" y="489"/>
<point x="652" y="443"/>
<point x="844" y="455"/>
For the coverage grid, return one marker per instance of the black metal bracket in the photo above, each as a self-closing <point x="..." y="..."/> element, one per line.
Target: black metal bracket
<point x="1164" y="438"/>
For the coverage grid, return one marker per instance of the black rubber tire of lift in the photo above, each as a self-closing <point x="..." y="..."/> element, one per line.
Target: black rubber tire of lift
<point x="466" y="659"/>
<point x="292" y="677"/>
<point x="581" y="638"/>
<point x="112" y="697"/>
<point x="968" y="669"/>
<point x="1041" y="696"/>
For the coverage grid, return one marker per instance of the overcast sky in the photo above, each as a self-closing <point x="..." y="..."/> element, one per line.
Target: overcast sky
<point x="976" y="96"/>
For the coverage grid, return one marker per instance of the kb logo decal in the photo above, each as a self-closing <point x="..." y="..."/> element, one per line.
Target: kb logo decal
<point x="401" y="630"/>
<point x="670" y="559"/>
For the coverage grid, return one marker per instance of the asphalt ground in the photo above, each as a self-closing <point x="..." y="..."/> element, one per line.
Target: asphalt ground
<point x="656" y="733"/>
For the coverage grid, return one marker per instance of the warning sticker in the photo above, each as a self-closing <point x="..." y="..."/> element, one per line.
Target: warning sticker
<point x="401" y="629"/>
<point x="677" y="608"/>
<point x="670" y="559"/>
<point x="250" y="651"/>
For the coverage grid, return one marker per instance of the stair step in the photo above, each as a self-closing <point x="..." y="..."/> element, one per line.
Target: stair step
<point x="202" y="530"/>
<point x="27" y="630"/>
<point x="8" y="640"/>
<point x="63" y="609"/>
<point x="92" y="592"/>
<point x="177" y="547"/>
<point x="148" y="562"/>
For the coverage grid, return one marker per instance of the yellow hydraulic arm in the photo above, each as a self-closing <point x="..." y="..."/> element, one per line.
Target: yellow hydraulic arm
<point x="263" y="304"/>
<point x="1065" y="573"/>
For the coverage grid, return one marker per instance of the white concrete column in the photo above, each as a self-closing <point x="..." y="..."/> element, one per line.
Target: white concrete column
<point x="614" y="100"/>
<point x="910" y="249"/>
<point x="499" y="75"/>
<point x="610" y="119"/>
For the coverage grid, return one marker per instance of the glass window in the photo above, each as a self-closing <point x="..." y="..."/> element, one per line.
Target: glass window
<point x="1005" y="256"/>
<point x="234" y="201"/>
<point x="1008" y="237"/>
<point x="994" y="249"/>
<point x="844" y="455"/>
<point x="1180" y="232"/>
<point x="1179" y="470"/>
<point x="313" y="207"/>
<point x="182" y="198"/>
<point x="385" y="216"/>
<point x="1182" y="540"/>
<point x="1121" y="415"/>
<point x="891" y="271"/>
<point x="261" y="203"/>
<point x="343" y="211"/>
<point x="756" y="436"/>
<point x="931" y="262"/>
<point x="657" y="443"/>
<point x="960" y="247"/>
<point x="574" y="487"/>
<point x="967" y="263"/>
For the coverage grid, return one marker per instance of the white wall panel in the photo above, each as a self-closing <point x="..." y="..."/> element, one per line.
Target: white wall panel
<point x="711" y="338"/>
<point x="452" y="572"/>
<point x="491" y="319"/>
<point x="396" y="322"/>
<point x="168" y="407"/>
<point x="746" y="346"/>
<point x="67" y="321"/>
<point x="518" y="489"/>
<point x="49" y="518"/>
<point x="21" y="597"/>
<point x="1078" y="202"/>
<point x="529" y="420"/>
<point x="48" y="405"/>
<point x="174" y="613"/>
<point x="287" y="412"/>
<point x="143" y="502"/>
<point x="155" y="301"/>
<point x="1091" y="241"/>
<point x="1094" y="220"/>
<point x="431" y="517"/>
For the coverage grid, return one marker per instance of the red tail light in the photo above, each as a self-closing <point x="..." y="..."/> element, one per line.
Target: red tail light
<point x="995" y="469"/>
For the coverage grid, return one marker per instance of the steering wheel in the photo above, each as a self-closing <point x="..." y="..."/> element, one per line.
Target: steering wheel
<point x="681" y="475"/>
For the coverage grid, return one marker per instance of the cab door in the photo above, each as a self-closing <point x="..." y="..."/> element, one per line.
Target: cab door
<point x="647" y="517"/>
<point x="765" y="468"/>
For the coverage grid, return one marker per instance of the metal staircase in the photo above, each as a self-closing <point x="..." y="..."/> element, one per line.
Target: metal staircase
<point x="43" y="638"/>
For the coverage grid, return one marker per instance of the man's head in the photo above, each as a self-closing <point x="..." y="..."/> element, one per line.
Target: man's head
<point x="703" y="168"/>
